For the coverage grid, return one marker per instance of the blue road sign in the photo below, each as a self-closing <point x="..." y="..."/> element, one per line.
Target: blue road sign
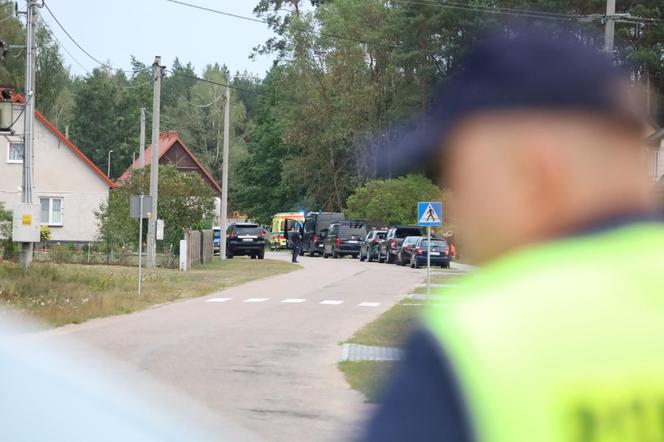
<point x="430" y="213"/>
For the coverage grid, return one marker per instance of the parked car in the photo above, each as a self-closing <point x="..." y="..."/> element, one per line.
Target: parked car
<point x="316" y="226"/>
<point x="369" y="247"/>
<point x="216" y="240"/>
<point x="440" y="253"/>
<point x="344" y="238"/>
<point x="406" y="250"/>
<point x="389" y="246"/>
<point x="246" y="239"/>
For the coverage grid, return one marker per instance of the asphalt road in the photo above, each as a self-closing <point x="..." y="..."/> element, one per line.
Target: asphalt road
<point x="263" y="354"/>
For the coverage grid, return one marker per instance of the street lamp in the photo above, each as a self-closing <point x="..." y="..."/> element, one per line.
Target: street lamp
<point x="108" y="170"/>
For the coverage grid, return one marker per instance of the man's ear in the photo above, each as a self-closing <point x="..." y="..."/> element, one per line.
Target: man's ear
<point x="540" y="169"/>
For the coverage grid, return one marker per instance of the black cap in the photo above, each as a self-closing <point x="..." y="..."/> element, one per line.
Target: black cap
<point x="529" y="71"/>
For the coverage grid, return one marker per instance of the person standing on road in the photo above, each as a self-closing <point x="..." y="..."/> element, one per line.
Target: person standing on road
<point x="296" y="242"/>
<point x="558" y="335"/>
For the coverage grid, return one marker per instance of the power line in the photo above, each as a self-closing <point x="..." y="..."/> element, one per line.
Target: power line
<point x="216" y="11"/>
<point x="22" y="111"/>
<point x="96" y="60"/>
<point x="495" y="10"/>
<point x="52" y="34"/>
<point x="50" y="31"/>
<point x="267" y="22"/>
<point x="527" y="12"/>
<point x="204" y="80"/>
<point x="201" y="106"/>
<point x="92" y="57"/>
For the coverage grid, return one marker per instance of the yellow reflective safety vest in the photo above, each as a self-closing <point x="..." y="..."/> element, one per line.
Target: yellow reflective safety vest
<point x="563" y="341"/>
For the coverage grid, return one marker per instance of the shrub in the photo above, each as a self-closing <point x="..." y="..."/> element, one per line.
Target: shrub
<point x="60" y="254"/>
<point x="44" y="233"/>
<point x="393" y="201"/>
<point x="9" y="248"/>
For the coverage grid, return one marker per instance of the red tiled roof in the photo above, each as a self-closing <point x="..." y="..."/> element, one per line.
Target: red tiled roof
<point x="17" y="98"/>
<point x="166" y="141"/>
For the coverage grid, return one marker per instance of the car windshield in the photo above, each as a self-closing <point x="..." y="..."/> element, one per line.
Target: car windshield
<point x="346" y="231"/>
<point x="403" y="233"/>
<point x="434" y="243"/>
<point x="247" y="230"/>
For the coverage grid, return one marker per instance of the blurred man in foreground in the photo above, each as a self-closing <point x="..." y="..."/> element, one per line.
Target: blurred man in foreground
<point x="558" y="337"/>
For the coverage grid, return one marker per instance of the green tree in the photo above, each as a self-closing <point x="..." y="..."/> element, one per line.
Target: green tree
<point x="185" y="200"/>
<point x="9" y="249"/>
<point x="263" y="188"/>
<point x="53" y="81"/>
<point x="199" y="119"/>
<point x="12" y="32"/>
<point x="391" y="201"/>
<point x="106" y="115"/>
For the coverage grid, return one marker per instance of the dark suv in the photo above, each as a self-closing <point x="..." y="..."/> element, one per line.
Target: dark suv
<point x="316" y="225"/>
<point x="344" y="238"/>
<point x="246" y="239"/>
<point x="390" y="245"/>
<point x="369" y="247"/>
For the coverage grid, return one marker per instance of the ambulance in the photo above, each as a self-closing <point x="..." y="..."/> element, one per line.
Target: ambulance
<point x="281" y="224"/>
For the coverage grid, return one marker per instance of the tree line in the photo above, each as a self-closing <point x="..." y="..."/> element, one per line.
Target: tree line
<point x="305" y="135"/>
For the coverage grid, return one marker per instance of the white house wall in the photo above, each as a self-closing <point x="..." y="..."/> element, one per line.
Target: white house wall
<point x="60" y="173"/>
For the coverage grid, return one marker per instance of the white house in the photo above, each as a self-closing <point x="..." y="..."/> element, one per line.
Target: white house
<point x="69" y="187"/>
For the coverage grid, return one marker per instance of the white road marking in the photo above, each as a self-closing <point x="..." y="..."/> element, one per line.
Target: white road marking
<point x="218" y="299"/>
<point x="256" y="300"/>
<point x="331" y="302"/>
<point x="293" y="300"/>
<point x="368" y="304"/>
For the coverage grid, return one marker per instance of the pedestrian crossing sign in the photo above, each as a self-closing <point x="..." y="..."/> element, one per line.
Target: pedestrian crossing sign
<point x="430" y="213"/>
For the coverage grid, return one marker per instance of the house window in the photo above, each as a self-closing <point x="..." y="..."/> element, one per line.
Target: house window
<point x="15" y="153"/>
<point x="51" y="211"/>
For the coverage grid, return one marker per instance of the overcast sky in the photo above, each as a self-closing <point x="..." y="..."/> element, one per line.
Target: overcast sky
<point x="113" y="31"/>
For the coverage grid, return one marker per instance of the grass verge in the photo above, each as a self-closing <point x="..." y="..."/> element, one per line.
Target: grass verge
<point x="70" y="293"/>
<point x="367" y="377"/>
<point x="390" y="328"/>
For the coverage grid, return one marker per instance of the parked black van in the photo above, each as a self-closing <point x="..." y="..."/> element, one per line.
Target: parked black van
<point x="316" y="226"/>
<point x="344" y="238"/>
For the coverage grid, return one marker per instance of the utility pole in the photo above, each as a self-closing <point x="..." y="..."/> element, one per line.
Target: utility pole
<point x="224" y="175"/>
<point x="157" y="71"/>
<point x="609" y="26"/>
<point x="141" y="151"/>
<point x="28" y="124"/>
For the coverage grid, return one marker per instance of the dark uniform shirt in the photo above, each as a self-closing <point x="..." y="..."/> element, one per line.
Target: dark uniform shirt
<point x="295" y="238"/>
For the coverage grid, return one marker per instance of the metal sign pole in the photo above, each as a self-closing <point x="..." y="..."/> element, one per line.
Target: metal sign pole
<point x="140" y="244"/>
<point x="428" y="262"/>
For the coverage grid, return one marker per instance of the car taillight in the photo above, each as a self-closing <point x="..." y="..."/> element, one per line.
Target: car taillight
<point x="338" y="241"/>
<point x="393" y="243"/>
<point x="407" y="247"/>
<point x="261" y="234"/>
<point x="419" y="250"/>
<point x="447" y="251"/>
<point x="315" y="239"/>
